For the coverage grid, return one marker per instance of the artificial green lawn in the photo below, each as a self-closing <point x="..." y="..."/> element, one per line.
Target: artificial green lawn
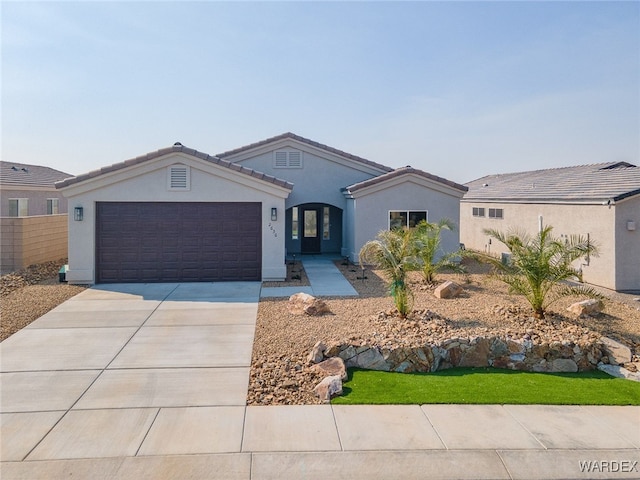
<point x="487" y="386"/>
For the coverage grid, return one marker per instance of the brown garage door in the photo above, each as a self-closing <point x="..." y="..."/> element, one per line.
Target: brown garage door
<point x="178" y="242"/>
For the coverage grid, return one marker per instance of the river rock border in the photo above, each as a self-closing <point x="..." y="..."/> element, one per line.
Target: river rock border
<point x="491" y="351"/>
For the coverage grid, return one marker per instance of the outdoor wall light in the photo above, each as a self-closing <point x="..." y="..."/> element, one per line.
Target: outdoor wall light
<point x="274" y="214"/>
<point x="78" y="214"/>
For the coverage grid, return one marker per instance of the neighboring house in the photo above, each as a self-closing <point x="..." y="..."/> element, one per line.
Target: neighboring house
<point x="29" y="190"/>
<point x="181" y="215"/>
<point x="600" y="201"/>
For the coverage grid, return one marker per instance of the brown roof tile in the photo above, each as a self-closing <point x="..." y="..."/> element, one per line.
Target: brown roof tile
<point x="25" y="175"/>
<point x="312" y="143"/>
<point x="405" y="171"/>
<point x="164" y="151"/>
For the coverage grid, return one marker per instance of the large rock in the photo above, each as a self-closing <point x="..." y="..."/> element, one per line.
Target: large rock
<point x="300" y="303"/>
<point x="317" y="353"/>
<point x="563" y="365"/>
<point x="618" y="353"/>
<point x="619" y="372"/>
<point x="448" y="290"/>
<point x="328" y="388"/>
<point x="586" y="307"/>
<point x="333" y="367"/>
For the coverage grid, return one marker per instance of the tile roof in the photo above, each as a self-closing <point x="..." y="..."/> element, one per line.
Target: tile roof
<point x="321" y="146"/>
<point x="22" y="174"/>
<point x="404" y="171"/>
<point x="596" y="182"/>
<point x="176" y="148"/>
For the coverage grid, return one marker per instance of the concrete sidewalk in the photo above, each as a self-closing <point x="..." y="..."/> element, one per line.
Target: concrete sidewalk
<point x="150" y="382"/>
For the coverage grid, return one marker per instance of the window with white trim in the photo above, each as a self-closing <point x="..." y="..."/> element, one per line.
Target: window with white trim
<point x="478" y="212"/>
<point x="52" y="206"/>
<point x="326" y="224"/>
<point x="294" y="223"/>
<point x="179" y="177"/>
<point x="287" y="159"/>
<point x="496" y="213"/>
<point x="406" y="218"/>
<point x="18" y="207"/>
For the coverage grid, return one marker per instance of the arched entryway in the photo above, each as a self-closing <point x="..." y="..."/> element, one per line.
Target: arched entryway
<point x="313" y="228"/>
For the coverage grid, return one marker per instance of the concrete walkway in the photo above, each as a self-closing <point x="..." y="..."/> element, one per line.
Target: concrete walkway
<point x="324" y="277"/>
<point x="150" y="381"/>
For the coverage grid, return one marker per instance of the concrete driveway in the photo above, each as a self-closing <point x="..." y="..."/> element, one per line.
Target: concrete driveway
<point x="150" y="381"/>
<point x="90" y="378"/>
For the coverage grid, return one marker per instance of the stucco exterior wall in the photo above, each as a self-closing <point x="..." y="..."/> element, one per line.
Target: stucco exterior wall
<point x="320" y="180"/>
<point x="27" y="241"/>
<point x="627" y="245"/>
<point x="598" y="221"/>
<point x="148" y="183"/>
<point x="37" y="199"/>
<point x="371" y="212"/>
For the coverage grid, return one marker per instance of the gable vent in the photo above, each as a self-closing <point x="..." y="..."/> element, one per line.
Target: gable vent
<point x="281" y="160"/>
<point x="179" y="177"/>
<point x="287" y="159"/>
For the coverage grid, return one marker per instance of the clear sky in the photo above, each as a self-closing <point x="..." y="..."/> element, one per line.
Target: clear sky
<point x="459" y="89"/>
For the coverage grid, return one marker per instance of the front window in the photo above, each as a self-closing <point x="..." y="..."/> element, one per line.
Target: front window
<point x="408" y="218"/>
<point x="478" y="212"/>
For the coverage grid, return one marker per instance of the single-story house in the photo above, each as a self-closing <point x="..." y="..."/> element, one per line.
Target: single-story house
<point x="178" y="214"/>
<point x="29" y="190"/>
<point x="601" y="202"/>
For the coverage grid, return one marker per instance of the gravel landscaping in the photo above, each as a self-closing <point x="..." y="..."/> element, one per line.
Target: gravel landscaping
<point x="28" y="294"/>
<point x="280" y="373"/>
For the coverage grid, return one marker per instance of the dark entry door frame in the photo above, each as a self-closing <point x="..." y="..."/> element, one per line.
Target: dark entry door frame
<point x="311" y="229"/>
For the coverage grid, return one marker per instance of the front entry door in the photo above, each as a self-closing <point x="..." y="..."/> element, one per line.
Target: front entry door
<point x="311" y="230"/>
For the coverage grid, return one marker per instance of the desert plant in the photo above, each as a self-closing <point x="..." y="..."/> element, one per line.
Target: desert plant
<point x="540" y="264"/>
<point x="393" y="252"/>
<point x="426" y="241"/>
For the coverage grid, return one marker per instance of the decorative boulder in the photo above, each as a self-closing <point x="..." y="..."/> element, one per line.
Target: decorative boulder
<point x="619" y="372"/>
<point x="317" y="353"/>
<point x="563" y="365"/>
<point x="328" y="388"/>
<point x="618" y="353"/>
<point x="448" y="290"/>
<point x="586" y="307"/>
<point x="333" y="366"/>
<point x="300" y="303"/>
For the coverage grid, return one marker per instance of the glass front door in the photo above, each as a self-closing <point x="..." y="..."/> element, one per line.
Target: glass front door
<point x="311" y="230"/>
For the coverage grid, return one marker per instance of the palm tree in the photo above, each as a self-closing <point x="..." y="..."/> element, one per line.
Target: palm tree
<point x="427" y="245"/>
<point x="539" y="265"/>
<point x="392" y="252"/>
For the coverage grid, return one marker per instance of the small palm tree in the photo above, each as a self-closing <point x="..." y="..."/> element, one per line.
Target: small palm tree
<point x="540" y="264"/>
<point x="427" y="245"/>
<point x="392" y="252"/>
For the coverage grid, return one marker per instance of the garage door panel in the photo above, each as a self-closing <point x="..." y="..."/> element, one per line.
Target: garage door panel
<point x="162" y="242"/>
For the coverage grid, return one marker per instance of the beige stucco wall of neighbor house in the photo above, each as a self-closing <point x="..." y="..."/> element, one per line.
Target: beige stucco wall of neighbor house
<point x="628" y="244"/>
<point x="370" y="209"/>
<point x="37" y="196"/>
<point x="596" y="220"/>
<point x="147" y="182"/>
<point x="27" y="241"/>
